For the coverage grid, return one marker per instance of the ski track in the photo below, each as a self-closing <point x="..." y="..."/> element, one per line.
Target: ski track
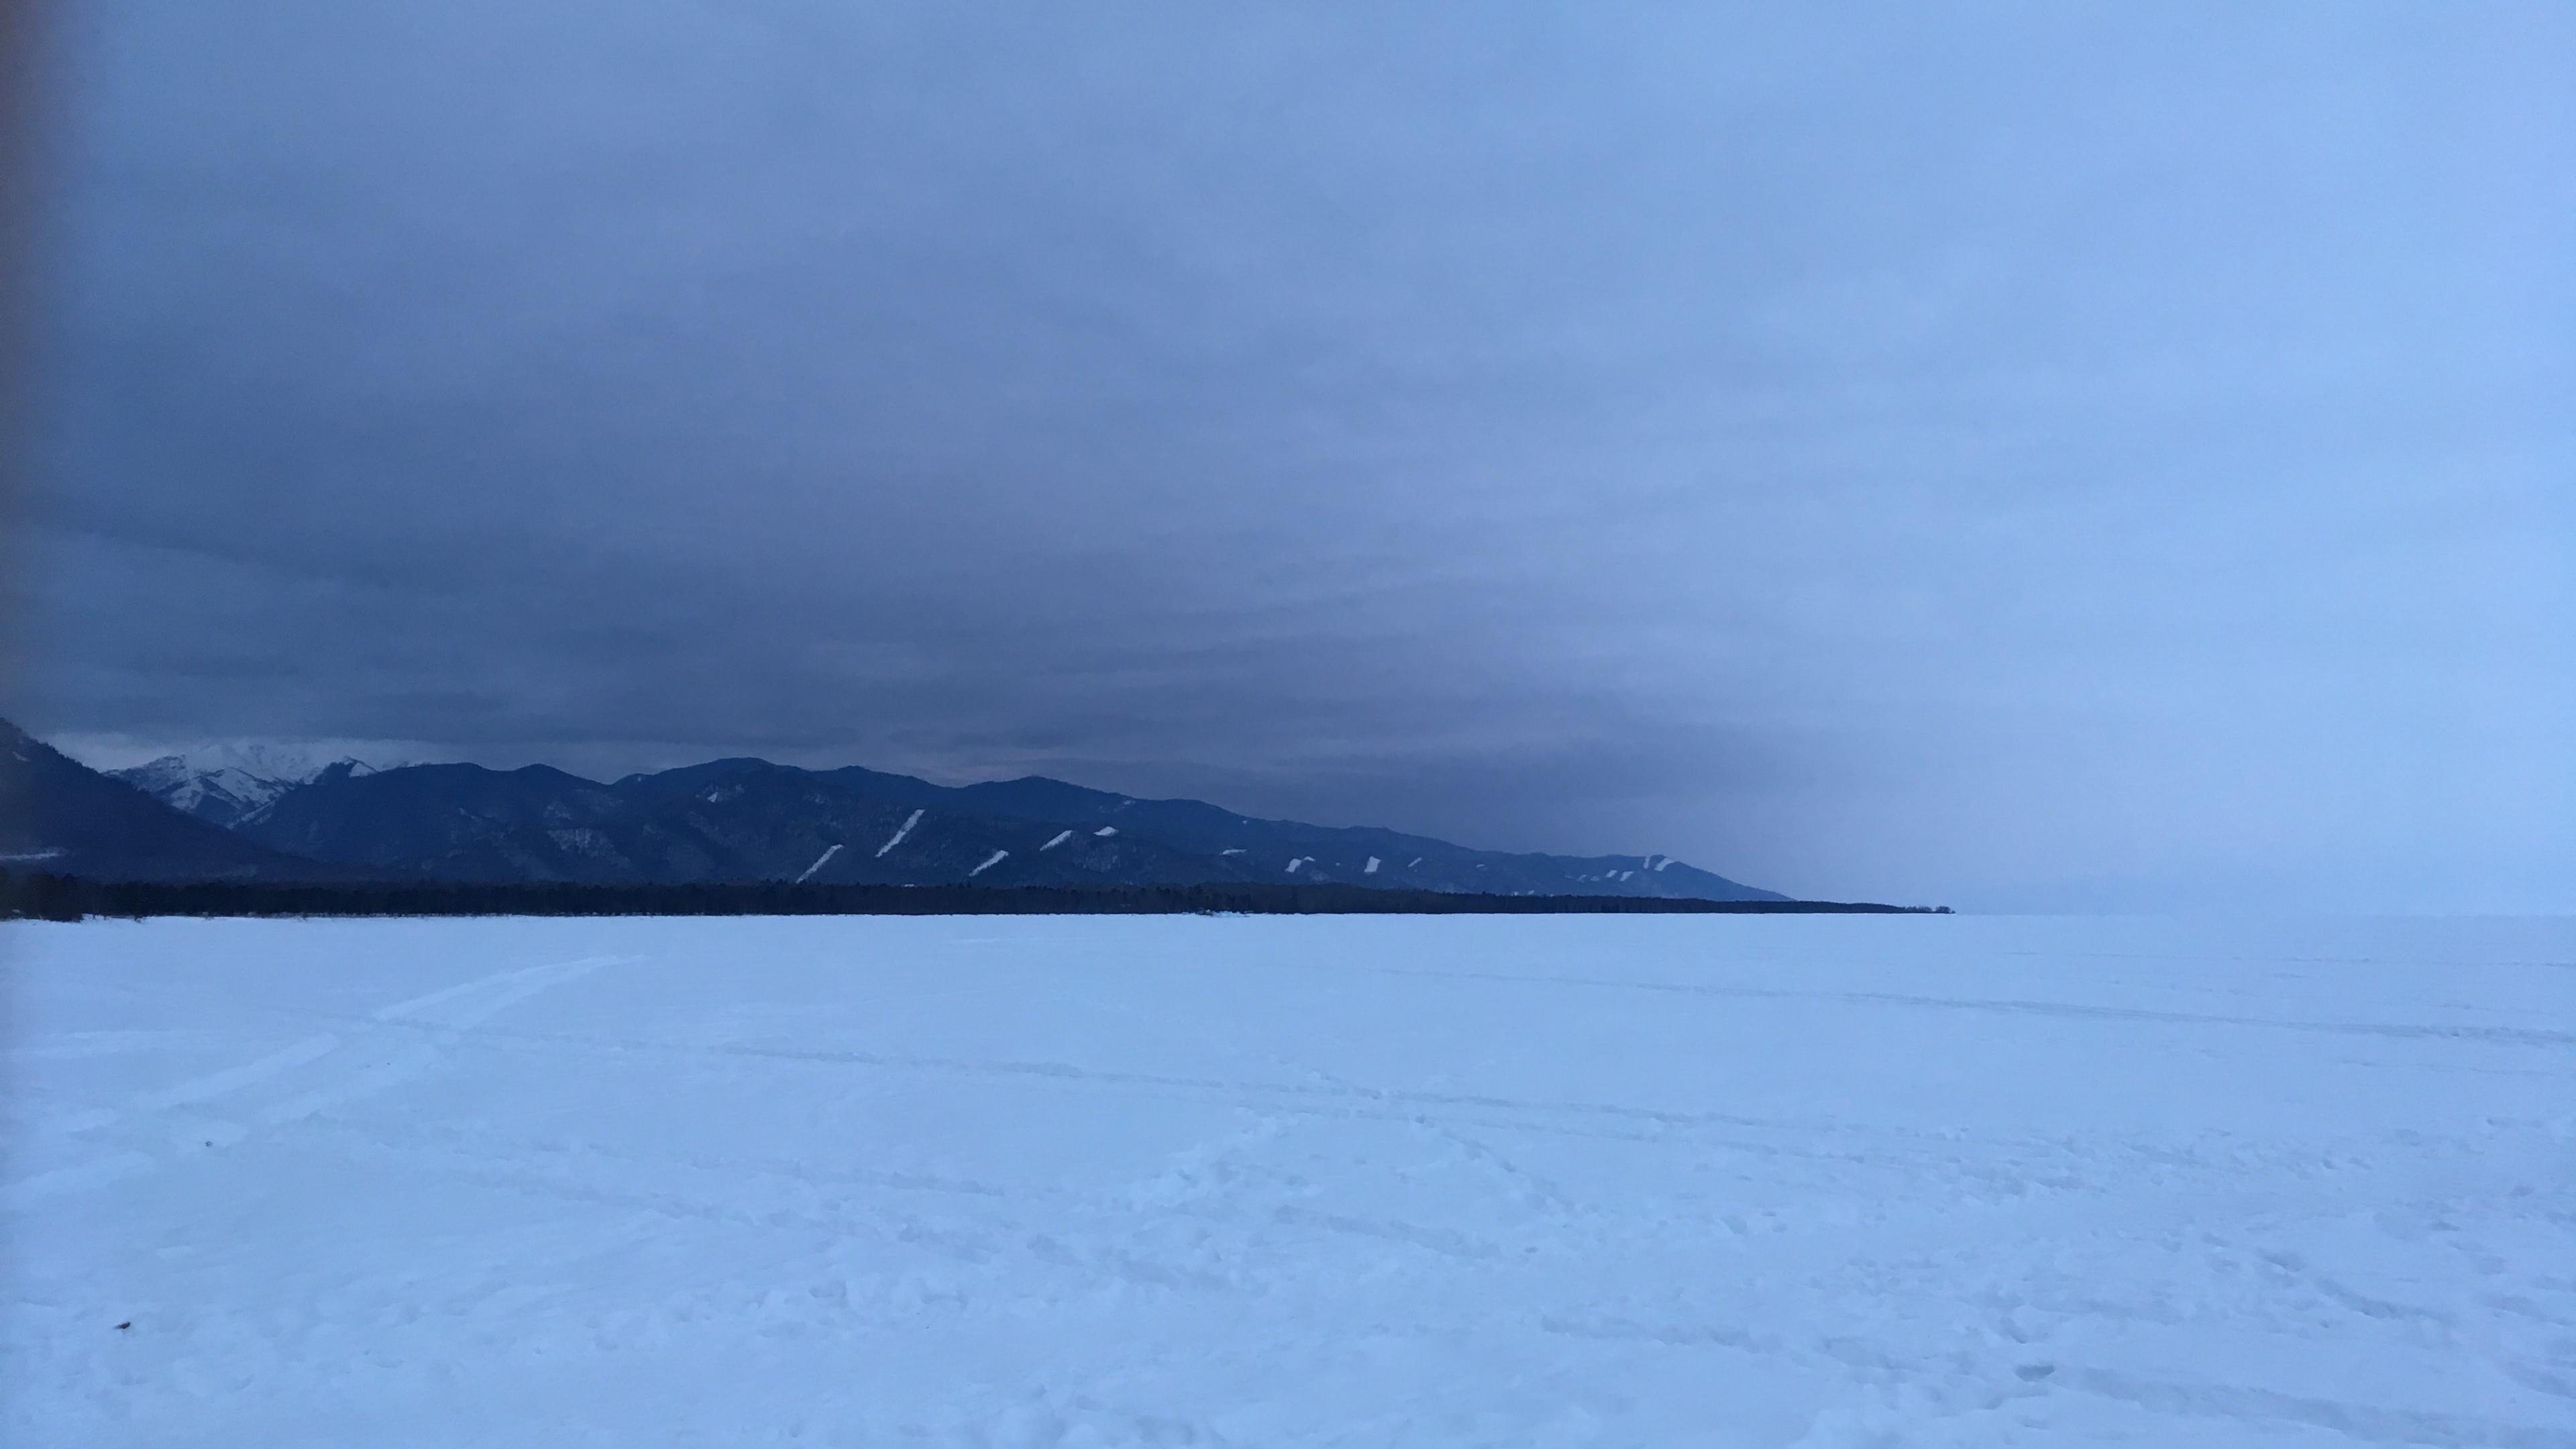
<point x="897" y="838"/>
<point x="819" y="862"/>
<point x="1817" y="1182"/>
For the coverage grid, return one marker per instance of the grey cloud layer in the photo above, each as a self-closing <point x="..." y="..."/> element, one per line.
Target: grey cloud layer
<point x="2063" y="455"/>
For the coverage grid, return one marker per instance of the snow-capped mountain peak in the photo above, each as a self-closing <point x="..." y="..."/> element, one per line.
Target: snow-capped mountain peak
<point x="229" y="783"/>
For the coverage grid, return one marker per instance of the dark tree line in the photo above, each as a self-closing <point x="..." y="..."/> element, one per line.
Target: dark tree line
<point x="68" y="898"/>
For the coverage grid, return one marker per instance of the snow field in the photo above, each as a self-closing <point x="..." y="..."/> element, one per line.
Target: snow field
<point x="1816" y="1181"/>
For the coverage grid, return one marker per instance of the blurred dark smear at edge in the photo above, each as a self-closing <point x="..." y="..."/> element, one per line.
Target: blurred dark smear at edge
<point x="18" y="153"/>
<point x="20" y="117"/>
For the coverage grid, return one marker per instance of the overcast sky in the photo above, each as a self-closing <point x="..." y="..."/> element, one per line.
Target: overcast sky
<point x="2019" y="456"/>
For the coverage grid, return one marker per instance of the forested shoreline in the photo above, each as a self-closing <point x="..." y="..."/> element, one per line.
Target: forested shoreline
<point x="41" y="896"/>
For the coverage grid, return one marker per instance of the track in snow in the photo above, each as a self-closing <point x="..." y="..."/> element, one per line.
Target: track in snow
<point x="1811" y="1181"/>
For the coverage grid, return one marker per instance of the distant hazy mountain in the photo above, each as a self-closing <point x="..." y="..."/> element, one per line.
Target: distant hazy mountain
<point x="59" y="815"/>
<point x="746" y="819"/>
<point x="224" y="784"/>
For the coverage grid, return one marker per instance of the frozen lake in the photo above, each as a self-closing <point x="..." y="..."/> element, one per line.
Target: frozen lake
<point x="1356" y="1181"/>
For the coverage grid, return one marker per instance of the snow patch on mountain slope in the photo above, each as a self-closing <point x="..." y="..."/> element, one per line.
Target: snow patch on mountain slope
<point x="897" y="839"/>
<point x="818" y="864"/>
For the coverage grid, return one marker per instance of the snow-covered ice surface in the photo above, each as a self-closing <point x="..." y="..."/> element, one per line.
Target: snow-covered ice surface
<point x="1659" y="1180"/>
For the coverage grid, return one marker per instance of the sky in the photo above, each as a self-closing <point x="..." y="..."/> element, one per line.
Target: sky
<point x="2047" y="456"/>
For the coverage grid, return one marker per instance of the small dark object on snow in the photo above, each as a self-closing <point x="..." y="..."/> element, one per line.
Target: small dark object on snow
<point x="129" y="1323"/>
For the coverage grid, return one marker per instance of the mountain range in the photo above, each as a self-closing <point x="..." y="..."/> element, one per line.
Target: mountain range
<point x="727" y="820"/>
<point x="59" y="815"/>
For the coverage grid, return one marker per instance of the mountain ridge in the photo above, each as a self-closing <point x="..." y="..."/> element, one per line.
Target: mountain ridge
<point x="744" y="819"/>
<point x="226" y="783"/>
<point x="59" y="815"/>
